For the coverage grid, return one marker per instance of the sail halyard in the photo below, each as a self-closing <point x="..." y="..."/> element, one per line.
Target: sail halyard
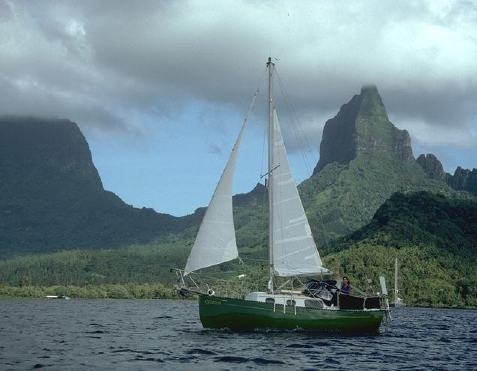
<point x="215" y="242"/>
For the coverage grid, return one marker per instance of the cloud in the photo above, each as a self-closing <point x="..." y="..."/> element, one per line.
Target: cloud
<point x="107" y="64"/>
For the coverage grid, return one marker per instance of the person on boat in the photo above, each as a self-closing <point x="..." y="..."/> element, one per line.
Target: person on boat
<point x="345" y="286"/>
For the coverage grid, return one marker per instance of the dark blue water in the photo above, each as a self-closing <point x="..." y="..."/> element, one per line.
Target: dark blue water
<point x="167" y="335"/>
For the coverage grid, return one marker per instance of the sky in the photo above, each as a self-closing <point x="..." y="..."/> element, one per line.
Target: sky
<point x="161" y="88"/>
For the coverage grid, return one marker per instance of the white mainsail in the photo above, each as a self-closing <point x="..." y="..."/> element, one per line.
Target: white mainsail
<point x="293" y="249"/>
<point x="215" y="242"/>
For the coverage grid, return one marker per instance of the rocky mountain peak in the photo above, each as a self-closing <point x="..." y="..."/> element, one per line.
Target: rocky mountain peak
<point x="51" y="195"/>
<point x="362" y="127"/>
<point x="463" y="180"/>
<point x="38" y="150"/>
<point x="432" y="166"/>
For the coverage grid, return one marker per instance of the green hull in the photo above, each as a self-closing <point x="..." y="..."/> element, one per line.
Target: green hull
<point x="245" y="315"/>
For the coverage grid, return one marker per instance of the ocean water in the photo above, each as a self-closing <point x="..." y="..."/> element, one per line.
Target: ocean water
<point x="167" y="335"/>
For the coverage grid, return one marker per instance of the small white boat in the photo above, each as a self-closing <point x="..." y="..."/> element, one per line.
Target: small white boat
<point x="57" y="297"/>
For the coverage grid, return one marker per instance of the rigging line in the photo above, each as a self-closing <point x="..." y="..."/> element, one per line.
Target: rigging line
<point x="300" y="135"/>
<point x="298" y="131"/>
<point x="269" y="172"/>
<point x="252" y="103"/>
<point x="255" y="260"/>
<point x="252" y="106"/>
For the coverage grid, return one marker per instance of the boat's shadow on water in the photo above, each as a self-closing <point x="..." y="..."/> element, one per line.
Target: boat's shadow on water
<point x="287" y="334"/>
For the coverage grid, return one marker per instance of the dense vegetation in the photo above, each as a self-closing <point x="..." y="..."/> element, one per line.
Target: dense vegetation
<point x="343" y="197"/>
<point x="109" y="291"/>
<point x="428" y="276"/>
<point x="433" y="237"/>
<point x="137" y="264"/>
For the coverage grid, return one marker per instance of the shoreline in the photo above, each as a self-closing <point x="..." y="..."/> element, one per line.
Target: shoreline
<point x="128" y="291"/>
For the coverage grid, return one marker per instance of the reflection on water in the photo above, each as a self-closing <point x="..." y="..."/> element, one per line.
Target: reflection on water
<point x="166" y="334"/>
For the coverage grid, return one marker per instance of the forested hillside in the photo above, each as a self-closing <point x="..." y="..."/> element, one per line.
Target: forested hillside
<point x="433" y="237"/>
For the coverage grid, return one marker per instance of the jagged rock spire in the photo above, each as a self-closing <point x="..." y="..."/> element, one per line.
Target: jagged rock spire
<point x="432" y="166"/>
<point x="362" y="127"/>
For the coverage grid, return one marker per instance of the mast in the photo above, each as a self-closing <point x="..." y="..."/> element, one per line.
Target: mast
<point x="395" y="281"/>
<point x="270" y="66"/>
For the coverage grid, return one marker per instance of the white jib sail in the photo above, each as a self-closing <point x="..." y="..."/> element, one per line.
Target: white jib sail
<point x="215" y="242"/>
<point x="294" y="250"/>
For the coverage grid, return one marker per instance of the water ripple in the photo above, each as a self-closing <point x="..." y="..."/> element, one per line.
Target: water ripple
<point x="148" y="334"/>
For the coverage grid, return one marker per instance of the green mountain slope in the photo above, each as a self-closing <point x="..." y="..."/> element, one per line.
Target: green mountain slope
<point x="435" y="241"/>
<point x="342" y="198"/>
<point x="423" y="218"/>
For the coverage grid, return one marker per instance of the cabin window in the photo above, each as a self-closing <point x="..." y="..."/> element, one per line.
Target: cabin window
<point x="316" y="304"/>
<point x="270" y="300"/>
<point x="291" y="303"/>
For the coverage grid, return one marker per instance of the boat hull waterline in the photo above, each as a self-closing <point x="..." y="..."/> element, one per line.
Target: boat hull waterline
<point x="244" y="315"/>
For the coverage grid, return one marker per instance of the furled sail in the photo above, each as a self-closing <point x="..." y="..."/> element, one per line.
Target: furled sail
<point x="215" y="242"/>
<point x="294" y="250"/>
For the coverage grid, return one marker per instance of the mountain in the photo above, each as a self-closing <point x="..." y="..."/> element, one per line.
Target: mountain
<point x="432" y="166"/>
<point x="435" y="241"/>
<point x="51" y="196"/>
<point x="362" y="128"/>
<point x="364" y="159"/>
<point x="463" y="180"/>
<point x="367" y="185"/>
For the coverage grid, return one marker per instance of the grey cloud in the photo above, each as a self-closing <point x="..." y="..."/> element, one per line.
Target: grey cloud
<point x="36" y="101"/>
<point x="5" y="10"/>
<point x="444" y="107"/>
<point x="104" y="59"/>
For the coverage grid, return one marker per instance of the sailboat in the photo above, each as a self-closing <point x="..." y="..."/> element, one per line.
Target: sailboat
<point x="318" y="305"/>
<point x="398" y="302"/>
